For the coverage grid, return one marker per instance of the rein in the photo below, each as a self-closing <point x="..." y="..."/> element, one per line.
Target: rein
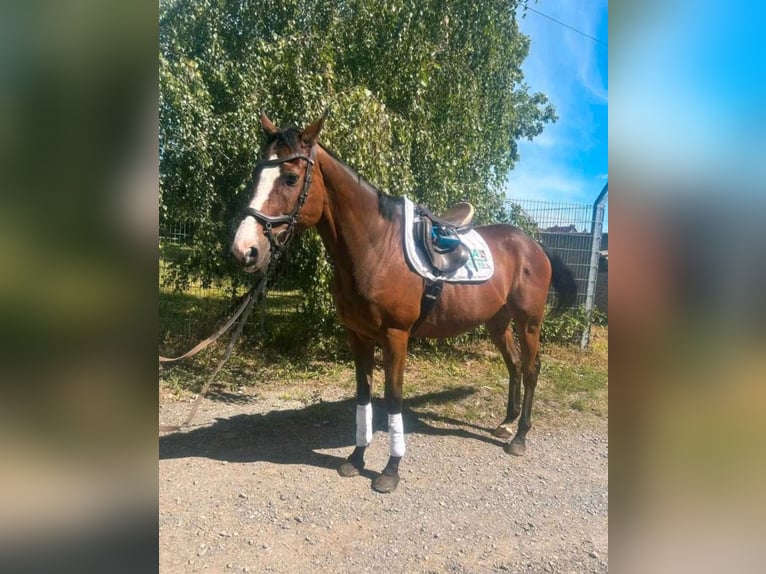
<point x="278" y="245"/>
<point x="254" y="294"/>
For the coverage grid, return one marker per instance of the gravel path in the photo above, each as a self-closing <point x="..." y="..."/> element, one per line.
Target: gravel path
<point x="253" y="488"/>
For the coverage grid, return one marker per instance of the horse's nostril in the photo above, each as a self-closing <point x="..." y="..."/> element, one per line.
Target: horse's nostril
<point x="251" y="256"/>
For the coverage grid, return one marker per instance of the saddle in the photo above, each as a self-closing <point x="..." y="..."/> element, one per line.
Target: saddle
<point x="441" y="236"/>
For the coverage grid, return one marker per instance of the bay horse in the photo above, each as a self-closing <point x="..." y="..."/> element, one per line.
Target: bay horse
<point x="299" y="184"/>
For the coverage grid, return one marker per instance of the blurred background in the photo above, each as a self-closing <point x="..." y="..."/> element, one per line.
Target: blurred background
<point x="687" y="149"/>
<point x="78" y="229"/>
<point x="78" y="286"/>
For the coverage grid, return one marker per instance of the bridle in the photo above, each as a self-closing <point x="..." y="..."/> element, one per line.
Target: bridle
<point x="280" y="240"/>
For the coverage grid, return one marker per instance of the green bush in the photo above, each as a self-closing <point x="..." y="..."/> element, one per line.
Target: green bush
<point x="569" y="325"/>
<point x="318" y="334"/>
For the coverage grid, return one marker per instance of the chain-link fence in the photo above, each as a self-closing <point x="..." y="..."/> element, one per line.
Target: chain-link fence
<point x="192" y="313"/>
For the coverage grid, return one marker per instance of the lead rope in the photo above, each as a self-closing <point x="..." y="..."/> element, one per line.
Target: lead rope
<point x="251" y="297"/>
<point x="254" y="295"/>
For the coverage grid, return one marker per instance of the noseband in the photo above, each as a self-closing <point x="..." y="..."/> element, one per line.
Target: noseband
<point x="268" y="222"/>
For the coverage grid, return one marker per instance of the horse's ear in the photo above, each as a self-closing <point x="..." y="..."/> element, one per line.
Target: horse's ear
<point x="311" y="133"/>
<point x="268" y="125"/>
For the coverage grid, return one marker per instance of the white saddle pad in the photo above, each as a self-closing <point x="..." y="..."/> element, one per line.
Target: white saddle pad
<point x="477" y="269"/>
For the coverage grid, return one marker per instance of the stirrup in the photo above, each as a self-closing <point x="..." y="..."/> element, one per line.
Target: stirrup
<point x="444" y="238"/>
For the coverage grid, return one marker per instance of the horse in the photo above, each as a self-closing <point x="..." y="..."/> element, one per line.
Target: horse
<point x="299" y="184"/>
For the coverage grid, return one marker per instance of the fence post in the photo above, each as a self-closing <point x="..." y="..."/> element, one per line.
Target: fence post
<point x="596" y="229"/>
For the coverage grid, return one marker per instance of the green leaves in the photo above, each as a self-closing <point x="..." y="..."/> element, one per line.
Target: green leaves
<point x="426" y="98"/>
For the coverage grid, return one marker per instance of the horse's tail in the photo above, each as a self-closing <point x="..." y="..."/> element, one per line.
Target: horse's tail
<point x="563" y="282"/>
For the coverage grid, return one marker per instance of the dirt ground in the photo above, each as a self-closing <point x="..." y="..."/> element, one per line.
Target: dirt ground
<point x="252" y="487"/>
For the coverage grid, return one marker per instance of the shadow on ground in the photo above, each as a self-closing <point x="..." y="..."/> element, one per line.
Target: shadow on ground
<point x="293" y="436"/>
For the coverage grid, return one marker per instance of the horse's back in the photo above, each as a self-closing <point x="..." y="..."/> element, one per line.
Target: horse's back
<point x="511" y="247"/>
<point x="520" y="282"/>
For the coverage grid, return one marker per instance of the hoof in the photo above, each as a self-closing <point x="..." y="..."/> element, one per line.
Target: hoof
<point x="348" y="469"/>
<point x="502" y="432"/>
<point x="354" y="464"/>
<point x="516" y="447"/>
<point x="385" y="483"/>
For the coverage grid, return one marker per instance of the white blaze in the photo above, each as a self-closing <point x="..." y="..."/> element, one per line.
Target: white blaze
<point x="265" y="184"/>
<point x="249" y="233"/>
<point x="363" y="424"/>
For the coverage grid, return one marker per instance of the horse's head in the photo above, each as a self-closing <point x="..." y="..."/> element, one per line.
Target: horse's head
<point x="283" y="199"/>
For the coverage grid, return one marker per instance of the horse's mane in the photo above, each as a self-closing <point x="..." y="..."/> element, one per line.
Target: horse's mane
<point x="388" y="205"/>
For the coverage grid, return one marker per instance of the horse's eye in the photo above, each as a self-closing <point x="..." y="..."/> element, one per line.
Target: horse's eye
<point x="290" y="179"/>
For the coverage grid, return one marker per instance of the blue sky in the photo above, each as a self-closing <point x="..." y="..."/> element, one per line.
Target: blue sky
<point x="692" y="108"/>
<point x="568" y="162"/>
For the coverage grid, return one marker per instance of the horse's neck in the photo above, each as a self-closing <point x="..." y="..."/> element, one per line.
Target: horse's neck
<point x="351" y="225"/>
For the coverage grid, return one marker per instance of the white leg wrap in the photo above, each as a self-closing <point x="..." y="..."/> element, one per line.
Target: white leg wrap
<point x="363" y="424"/>
<point x="396" y="435"/>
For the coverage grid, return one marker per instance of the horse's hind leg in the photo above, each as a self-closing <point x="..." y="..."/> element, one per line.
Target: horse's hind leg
<point x="529" y="339"/>
<point x="502" y="337"/>
<point x="363" y="350"/>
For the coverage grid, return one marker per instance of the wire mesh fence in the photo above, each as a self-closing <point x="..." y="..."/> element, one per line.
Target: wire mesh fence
<point x="565" y="229"/>
<point x="193" y="312"/>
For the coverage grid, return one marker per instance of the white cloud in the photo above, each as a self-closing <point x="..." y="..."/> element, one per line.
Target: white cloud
<point x="562" y="164"/>
<point x="563" y="63"/>
<point x="584" y="49"/>
<point x="566" y="197"/>
<point x="546" y="176"/>
<point x="545" y="186"/>
<point x="543" y="174"/>
<point x="546" y="139"/>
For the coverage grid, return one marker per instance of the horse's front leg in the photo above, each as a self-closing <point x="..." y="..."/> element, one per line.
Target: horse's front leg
<point x="363" y="350"/>
<point x="394" y="354"/>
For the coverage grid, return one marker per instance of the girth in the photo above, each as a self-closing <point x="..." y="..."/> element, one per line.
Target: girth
<point x="428" y="301"/>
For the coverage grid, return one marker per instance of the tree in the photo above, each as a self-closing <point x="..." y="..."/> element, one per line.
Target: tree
<point x="426" y="98"/>
<point x="514" y="214"/>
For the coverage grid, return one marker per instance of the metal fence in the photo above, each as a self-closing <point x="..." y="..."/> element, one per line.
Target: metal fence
<point x="564" y="228"/>
<point x="574" y="233"/>
<point x="193" y="312"/>
<point x="568" y="230"/>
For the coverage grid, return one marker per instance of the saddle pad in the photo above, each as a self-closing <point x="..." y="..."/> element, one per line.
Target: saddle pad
<point x="477" y="269"/>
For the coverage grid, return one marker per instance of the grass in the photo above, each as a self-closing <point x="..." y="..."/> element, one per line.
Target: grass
<point x="463" y="380"/>
<point x="187" y="317"/>
<point x="571" y="381"/>
<point x="470" y="373"/>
